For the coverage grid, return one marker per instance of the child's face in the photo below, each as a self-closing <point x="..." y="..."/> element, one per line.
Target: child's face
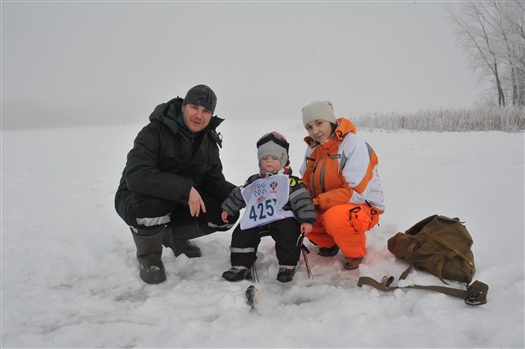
<point x="270" y="163"/>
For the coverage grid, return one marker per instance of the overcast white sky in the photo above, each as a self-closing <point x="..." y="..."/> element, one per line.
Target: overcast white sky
<point x="263" y="59"/>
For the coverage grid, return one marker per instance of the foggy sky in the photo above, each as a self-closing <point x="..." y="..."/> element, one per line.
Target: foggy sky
<point x="70" y="62"/>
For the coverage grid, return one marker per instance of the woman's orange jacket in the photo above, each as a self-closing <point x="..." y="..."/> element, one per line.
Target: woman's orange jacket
<point x="342" y="170"/>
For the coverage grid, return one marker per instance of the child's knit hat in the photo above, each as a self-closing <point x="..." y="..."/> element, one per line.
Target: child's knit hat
<point x="273" y="144"/>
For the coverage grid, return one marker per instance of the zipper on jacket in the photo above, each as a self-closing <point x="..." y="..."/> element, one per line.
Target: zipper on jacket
<point x="313" y="177"/>
<point x="321" y="178"/>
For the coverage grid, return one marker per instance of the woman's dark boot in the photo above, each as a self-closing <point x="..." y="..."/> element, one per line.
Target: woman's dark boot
<point x="328" y="251"/>
<point x="149" y="253"/>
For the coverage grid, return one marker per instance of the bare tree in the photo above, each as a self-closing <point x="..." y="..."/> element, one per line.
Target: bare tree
<point x="492" y="35"/>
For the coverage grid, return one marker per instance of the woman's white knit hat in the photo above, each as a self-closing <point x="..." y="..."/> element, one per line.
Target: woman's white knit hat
<point x="319" y="111"/>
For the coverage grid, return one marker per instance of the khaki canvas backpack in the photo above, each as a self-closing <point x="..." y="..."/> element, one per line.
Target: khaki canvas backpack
<point x="441" y="246"/>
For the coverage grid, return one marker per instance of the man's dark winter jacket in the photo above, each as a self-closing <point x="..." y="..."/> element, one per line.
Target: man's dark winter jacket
<point x="165" y="163"/>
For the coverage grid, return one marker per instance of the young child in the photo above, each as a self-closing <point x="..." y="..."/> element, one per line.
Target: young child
<point x="276" y="202"/>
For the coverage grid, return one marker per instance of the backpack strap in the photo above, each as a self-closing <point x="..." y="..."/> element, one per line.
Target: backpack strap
<point x="450" y="246"/>
<point x="476" y="293"/>
<point x="439" y="269"/>
<point x="453" y="253"/>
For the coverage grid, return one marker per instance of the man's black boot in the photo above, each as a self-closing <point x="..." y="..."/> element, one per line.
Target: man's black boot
<point x="149" y="253"/>
<point x="177" y="238"/>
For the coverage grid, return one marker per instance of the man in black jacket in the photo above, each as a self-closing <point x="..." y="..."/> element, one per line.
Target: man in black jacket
<point x="173" y="185"/>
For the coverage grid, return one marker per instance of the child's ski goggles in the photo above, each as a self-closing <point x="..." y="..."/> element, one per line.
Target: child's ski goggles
<point x="275" y="137"/>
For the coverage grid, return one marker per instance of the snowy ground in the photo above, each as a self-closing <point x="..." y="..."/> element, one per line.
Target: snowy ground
<point x="70" y="276"/>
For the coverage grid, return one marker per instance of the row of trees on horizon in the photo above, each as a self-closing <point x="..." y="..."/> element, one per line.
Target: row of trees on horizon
<point x="492" y="34"/>
<point x="509" y="119"/>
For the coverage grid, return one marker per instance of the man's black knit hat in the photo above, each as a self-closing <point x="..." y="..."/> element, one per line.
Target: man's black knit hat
<point x="201" y="95"/>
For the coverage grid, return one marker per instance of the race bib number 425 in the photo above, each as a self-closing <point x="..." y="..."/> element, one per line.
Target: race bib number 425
<point x="265" y="199"/>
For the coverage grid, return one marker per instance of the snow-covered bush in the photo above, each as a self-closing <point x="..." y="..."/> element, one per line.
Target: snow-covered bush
<point x="449" y="120"/>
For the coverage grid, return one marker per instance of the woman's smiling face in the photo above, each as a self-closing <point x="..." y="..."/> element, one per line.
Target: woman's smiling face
<point x="319" y="130"/>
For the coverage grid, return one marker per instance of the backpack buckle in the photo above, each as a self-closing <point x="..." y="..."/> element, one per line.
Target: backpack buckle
<point x="477" y="293"/>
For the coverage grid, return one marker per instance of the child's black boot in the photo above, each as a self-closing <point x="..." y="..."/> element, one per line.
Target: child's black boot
<point x="286" y="273"/>
<point x="237" y="273"/>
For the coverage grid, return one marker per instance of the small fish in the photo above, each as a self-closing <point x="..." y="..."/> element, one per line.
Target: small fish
<point x="251" y="297"/>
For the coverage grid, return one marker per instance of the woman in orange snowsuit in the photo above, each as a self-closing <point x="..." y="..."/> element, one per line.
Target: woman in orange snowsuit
<point x="340" y="171"/>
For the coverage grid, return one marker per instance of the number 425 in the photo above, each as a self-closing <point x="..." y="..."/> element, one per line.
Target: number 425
<point x="265" y="209"/>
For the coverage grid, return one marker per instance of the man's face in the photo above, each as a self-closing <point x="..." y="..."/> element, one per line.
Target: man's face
<point x="195" y="117"/>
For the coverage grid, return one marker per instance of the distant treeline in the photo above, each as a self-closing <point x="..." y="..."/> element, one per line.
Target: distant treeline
<point x="508" y="119"/>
